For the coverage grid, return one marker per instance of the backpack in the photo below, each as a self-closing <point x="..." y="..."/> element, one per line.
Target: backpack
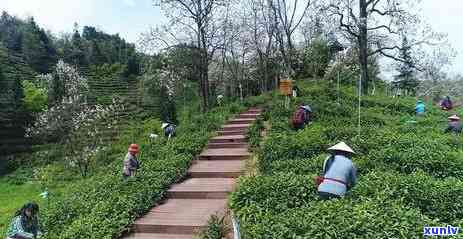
<point x="298" y="117"/>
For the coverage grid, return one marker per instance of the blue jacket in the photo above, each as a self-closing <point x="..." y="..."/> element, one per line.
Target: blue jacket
<point x="340" y="168"/>
<point x="420" y="108"/>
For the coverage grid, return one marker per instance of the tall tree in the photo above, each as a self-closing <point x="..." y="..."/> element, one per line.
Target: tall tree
<point x="78" y="52"/>
<point x="263" y="28"/>
<point x="287" y="21"/>
<point x="37" y="48"/>
<point x="406" y="79"/>
<point x="198" y="19"/>
<point x="377" y="27"/>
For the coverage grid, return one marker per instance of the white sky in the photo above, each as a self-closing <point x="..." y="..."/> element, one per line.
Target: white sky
<point x="129" y="18"/>
<point x="446" y="16"/>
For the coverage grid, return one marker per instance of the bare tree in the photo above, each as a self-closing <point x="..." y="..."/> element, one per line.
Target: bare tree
<point x="287" y="19"/>
<point x="377" y="29"/>
<point x="193" y="21"/>
<point x="262" y="27"/>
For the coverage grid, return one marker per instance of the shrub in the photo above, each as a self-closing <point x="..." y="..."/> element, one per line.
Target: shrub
<point x="336" y="219"/>
<point x="410" y="174"/>
<point x="216" y="228"/>
<point x="276" y="193"/>
<point x="254" y="133"/>
<point x="437" y="199"/>
<point x="105" y="205"/>
<point x="305" y="143"/>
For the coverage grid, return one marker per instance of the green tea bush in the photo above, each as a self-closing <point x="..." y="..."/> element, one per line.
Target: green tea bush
<point x="410" y="152"/>
<point x="305" y="143"/>
<point x="301" y="166"/>
<point x="276" y="193"/>
<point x="336" y="219"/>
<point x="254" y="133"/>
<point x="409" y="171"/>
<point x="257" y="100"/>
<point x="437" y="199"/>
<point x="105" y="205"/>
<point x="216" y="228"/>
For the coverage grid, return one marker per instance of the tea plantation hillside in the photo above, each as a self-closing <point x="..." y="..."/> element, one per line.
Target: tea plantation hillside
<point x="104" y="205"/>
<point x="410" y="174"/>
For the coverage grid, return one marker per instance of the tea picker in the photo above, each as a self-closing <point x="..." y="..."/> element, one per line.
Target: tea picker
<point x="420" y="108"/>
<point x="131" y="163"/>
<point x="25" y="224"/>
<point x="301" y="117"/>
<point x="339" y="172"/>
<point x="169" y="129"/>
<point x="454" y="125"/>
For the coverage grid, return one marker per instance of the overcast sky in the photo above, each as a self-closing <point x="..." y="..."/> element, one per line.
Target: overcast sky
<point x="131" y="17"/>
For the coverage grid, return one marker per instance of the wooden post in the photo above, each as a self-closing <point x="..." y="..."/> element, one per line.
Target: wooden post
<point x="286" y="89"/>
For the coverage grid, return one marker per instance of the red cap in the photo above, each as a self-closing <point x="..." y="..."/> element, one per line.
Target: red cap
<point x="134" y="148"/>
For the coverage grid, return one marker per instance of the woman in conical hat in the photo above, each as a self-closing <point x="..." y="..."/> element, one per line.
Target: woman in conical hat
<point x="454" y="125"/>
<point x="339" y="172"/>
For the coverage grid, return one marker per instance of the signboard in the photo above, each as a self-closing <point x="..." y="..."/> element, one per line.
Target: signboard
<point x="286" y="87"/>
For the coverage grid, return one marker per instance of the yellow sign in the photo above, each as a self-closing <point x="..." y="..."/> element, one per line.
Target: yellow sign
<point x="286" y="87"/>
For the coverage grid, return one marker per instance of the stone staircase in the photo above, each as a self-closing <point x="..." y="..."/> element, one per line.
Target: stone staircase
<point x="204" y="192"/>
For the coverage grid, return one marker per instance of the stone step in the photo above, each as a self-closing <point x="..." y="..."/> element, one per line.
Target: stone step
<point x="236" y="127"/>
<point x="241" y="121"/>
<point x="229" y="139"/>
<point x="249" y="115"/>
<point x="231" y="132"/>
<point x="225" y="154"/>
<point x="254" y="111"/>
<point x="216" y="169"/>
<point x="227" y="145"/>
<point x="202" y="188"/>
<point x="180" y="216"/>
<point x="159" y="236"/>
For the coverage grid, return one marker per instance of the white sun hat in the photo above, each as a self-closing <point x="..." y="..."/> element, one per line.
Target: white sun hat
<point x="342" y="147"/>
<point x="164" y="125"/>
<point x="454" y="117"/>
<point x="306" y="107"/>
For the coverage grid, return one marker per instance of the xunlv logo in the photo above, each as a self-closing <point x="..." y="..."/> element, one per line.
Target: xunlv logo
<point x="440" y="231"/>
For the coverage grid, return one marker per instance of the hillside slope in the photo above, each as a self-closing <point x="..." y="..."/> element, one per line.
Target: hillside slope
<point x="410" y="174"/>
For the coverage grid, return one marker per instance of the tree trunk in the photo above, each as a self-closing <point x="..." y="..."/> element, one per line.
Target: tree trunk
<point x="203" y="67"/>
<point x="363" y="46"/>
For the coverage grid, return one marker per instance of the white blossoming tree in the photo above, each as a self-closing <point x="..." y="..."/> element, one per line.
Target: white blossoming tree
<point x="71" y="120"/>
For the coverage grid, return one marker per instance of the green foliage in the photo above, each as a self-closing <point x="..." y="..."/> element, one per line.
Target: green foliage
<point x="14" y="117"/>
<point x="406" y="80"/>
<point x="275" y="193"/>
<point x="317" y="55"/>
<point x="105" y="205"/>
<point x="337" y="219"/>
<point x="301" y="144"/>
<point x="216" y="228"/>
<point x="35" y="99"/>
<point x="409" y="173"/>
<point x="435" y="198"/>
<point x="254" y="133"/>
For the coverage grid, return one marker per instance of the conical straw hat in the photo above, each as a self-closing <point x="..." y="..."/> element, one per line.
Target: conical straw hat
<point x="454" y="117"/>
<point x="164" y="125"/>
<point x="342" y="147"/>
